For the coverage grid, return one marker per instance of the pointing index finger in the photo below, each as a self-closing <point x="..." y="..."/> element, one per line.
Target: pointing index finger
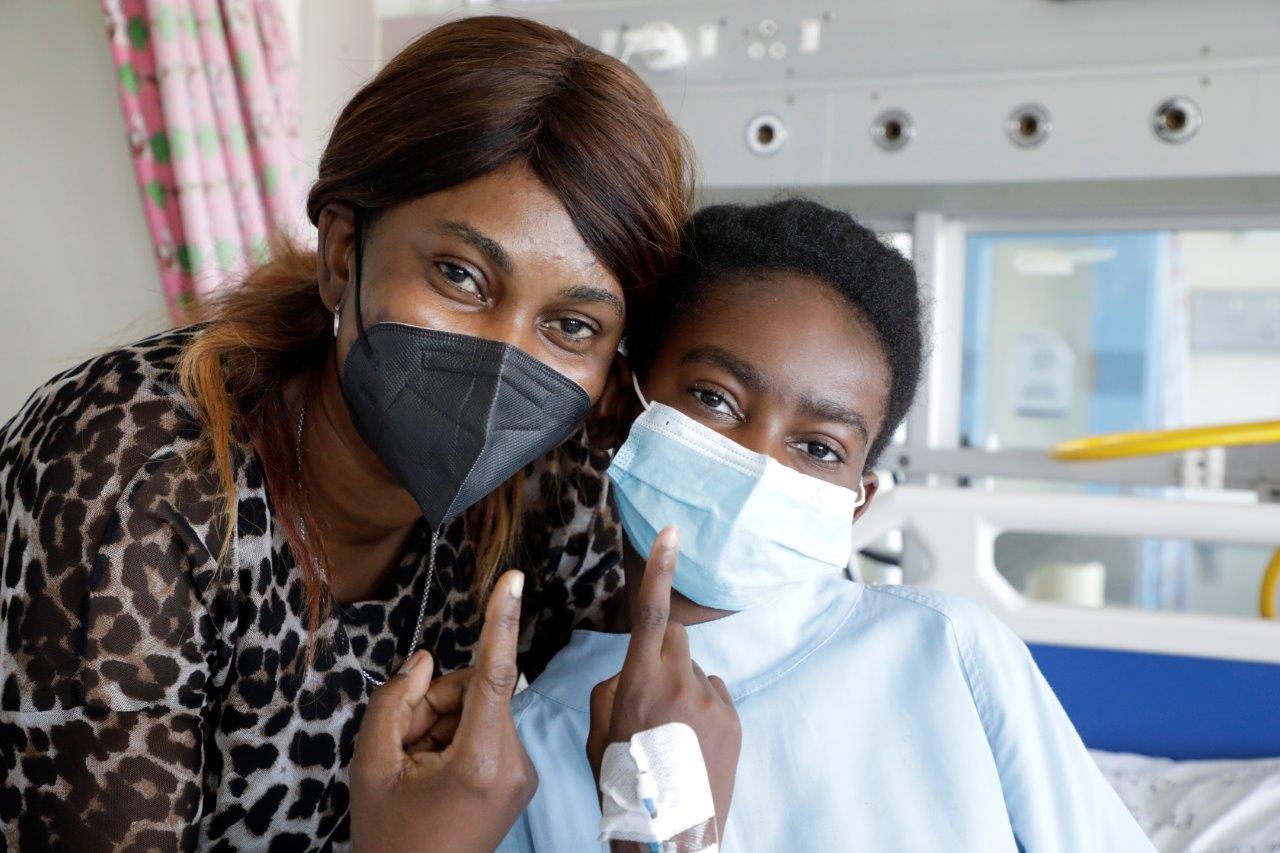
<point x="488" y="691"/>
<point x="652" y="606"/>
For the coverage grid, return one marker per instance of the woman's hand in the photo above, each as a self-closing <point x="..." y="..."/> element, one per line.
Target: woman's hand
<point x="660" y="683"/>
<point x="445" y="770"/>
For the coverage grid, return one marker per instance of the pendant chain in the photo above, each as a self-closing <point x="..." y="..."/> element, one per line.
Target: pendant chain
<point x="373" y="680"/>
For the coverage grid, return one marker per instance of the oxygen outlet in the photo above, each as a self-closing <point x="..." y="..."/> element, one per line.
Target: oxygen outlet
<point x="1176" y="120"/>
<point x="766" y="134"/>
<point x="892" y="130"/>
<point x="1028" y="126"/>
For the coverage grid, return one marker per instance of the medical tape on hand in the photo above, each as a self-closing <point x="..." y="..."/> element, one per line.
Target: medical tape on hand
<point x="654" y="787"/>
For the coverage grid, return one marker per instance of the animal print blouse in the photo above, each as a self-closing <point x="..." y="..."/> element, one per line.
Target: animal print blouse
<point x="151" y="700"/>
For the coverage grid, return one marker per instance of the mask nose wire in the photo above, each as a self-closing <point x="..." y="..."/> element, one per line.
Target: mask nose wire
<point x="635" y="383"/>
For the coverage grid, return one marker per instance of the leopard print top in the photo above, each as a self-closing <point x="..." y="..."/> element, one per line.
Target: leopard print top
<point x="151" y="699"/>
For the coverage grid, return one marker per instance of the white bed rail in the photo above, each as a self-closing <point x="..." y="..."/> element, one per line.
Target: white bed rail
<point x="957" y="528"/>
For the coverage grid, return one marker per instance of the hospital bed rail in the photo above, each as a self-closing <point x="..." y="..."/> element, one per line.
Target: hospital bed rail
<point x="1172" y="684"/>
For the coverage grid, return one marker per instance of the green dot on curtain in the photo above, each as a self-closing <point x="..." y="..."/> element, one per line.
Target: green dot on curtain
<point x="138" y="35"/>
<point x="183" y="300"/>
<point x="236" y="139"/>
<point x="207" y="138"/>
<point x="189" y="24"/>
<point x="166" y="24"/>
<point x="129" y="78"/>
<point x="179" y="142"/>
<point x="270" y="179"/>
<point x="160" y="147"/>
<point x="244" y="63"/>
<point x="190" y="259"/>
<point x="155" y="190"/>
<point x="228" y="253"/>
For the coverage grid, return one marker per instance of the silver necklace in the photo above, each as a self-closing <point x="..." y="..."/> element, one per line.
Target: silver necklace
<point x="373" y="680"/>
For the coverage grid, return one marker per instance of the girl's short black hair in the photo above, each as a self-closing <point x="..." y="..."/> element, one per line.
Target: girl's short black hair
<point x="732" y="241"/>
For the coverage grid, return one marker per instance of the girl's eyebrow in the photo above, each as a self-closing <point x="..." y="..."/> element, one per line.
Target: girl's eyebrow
<point x="830" y="410"/>
<point x="743" y="371"/>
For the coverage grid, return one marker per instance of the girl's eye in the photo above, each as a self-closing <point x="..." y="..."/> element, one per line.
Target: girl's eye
<point x="460" y="278"/>
<point x="712" y="400"/>
<point x="574" y="329"/>
<point x="820" y="451"/>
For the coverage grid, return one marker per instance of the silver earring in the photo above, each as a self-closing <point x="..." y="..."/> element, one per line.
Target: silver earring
<point x="335" y="323"/>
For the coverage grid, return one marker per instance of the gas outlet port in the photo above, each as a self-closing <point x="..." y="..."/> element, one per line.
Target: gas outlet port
<point x="1028" y="126"/>
<point x="893" y="129"/>
<point x="766" y="135"/>
<point x="1176" y="120"/>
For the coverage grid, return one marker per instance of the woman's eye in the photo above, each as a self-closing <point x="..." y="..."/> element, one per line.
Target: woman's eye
<point x="574" y="329"/>
<point x="460" y="278"/>
<point x="712" y="400"/>
<point x="820" y="451"/>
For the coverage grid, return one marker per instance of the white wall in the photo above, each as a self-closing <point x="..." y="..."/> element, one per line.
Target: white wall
<point x="76" y="267"/>
<point x="338" y="55"/>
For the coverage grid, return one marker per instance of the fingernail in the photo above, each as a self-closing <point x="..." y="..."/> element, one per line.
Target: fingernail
<point x="413" y="661"/>
<point x="517" y="586"/>
<point x="668" y="539"/>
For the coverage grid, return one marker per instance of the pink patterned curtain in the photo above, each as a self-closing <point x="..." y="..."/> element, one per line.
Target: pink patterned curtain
<point x="209" y="93"/>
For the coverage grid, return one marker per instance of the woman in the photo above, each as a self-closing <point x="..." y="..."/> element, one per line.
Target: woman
<point x="219" y="541"/>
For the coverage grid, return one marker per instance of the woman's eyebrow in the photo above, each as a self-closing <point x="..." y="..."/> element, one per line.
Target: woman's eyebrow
<point x="491" y="248"/>
<point x="720" y="357"/>
<point x="830" y="410"/>
<point x="591" y="293"/>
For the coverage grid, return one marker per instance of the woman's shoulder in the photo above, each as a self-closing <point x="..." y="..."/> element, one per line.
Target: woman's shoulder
<point x="566" y="501"/>
<point x="105" y="529"/>
<point x="84" y="436"/>
<point x="108" y="406"/>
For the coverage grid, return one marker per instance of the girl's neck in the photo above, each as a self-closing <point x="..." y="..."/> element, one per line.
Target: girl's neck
<point x="683" y="610"/>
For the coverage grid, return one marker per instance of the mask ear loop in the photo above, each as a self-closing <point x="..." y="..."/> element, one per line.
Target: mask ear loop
<point x="358" y="236"/>
<point x="635" y="383"/>
<point x="862" y="495"/>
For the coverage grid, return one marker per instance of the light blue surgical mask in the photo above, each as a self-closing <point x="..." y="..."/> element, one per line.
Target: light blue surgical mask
<point x="750" y="527"/>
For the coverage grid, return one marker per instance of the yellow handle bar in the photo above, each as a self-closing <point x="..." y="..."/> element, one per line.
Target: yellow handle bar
<point x="1118" y="445"/>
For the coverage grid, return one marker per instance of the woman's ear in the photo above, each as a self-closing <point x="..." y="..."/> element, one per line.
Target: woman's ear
<point x="335" y="252"/>
<point x="610" y="418"/>
<point x="870" y="484"/>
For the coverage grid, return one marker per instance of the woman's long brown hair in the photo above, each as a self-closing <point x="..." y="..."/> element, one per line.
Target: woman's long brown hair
<point x="461" y="101"/>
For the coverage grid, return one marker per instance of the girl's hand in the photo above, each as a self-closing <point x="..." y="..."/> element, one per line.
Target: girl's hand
<point x="445" y="771"/>
<point x="660" y="683"/>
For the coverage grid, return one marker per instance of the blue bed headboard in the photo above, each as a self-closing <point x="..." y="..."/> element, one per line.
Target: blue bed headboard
<point x="1166" y="705"/>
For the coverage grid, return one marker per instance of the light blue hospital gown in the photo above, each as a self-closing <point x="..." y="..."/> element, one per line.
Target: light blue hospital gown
<point x="873" y="718"/>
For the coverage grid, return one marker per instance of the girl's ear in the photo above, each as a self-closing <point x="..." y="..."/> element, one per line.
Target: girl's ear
<point x="870" y="483"/>
<point x="610" y="418"/>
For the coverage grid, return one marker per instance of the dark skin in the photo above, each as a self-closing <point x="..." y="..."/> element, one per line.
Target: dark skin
<point x="438" y="764"/>
<point x="785" y="368"/>
<point x="497" y="257"/>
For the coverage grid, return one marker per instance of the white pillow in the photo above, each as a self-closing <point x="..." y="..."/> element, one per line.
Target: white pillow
<point x="1200" y="806"/>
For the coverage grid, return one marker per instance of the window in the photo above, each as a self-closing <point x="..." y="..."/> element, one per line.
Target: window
<point x="1075" y="334"/>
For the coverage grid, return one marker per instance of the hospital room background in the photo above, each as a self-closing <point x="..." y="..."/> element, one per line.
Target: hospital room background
<point x="1090" y="192"/>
